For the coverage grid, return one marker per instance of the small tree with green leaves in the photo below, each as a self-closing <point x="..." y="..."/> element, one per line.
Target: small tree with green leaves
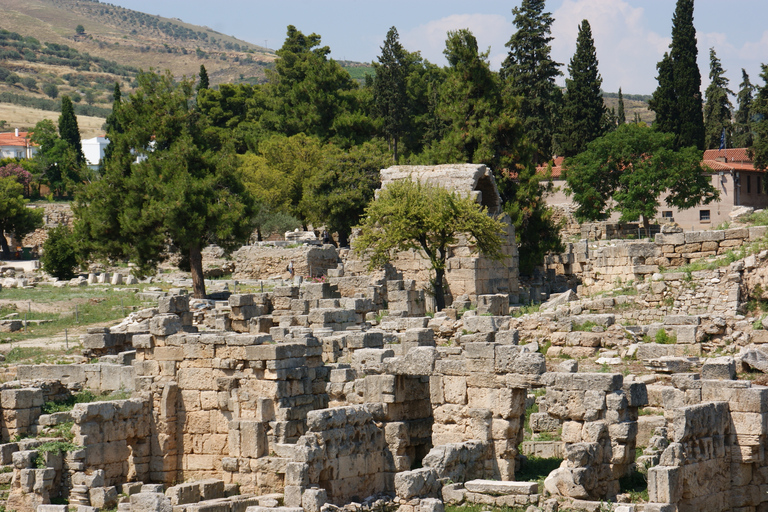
<point x="59" y="255"/>
<point x="427" y="218"/>
<point x="80" y="30"/>
<point x="15" y="218"/>
<point x="629" y="169"/>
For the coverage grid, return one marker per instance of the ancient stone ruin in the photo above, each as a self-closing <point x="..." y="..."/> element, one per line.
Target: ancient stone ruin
<point x="352" y="393"/>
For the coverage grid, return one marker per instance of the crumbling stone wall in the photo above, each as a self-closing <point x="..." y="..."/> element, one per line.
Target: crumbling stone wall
<point x="599" y="428"/>
<point x="599" y="266"/>
<point x="266" y="261"/>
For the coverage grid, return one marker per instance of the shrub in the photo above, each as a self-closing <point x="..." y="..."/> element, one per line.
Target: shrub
<point x="59" y="258"/>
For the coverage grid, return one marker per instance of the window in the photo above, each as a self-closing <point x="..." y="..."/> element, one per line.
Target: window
<point x="666" y="214"/>
<point x="749" y="184"/>
<point x="703" y="215"/>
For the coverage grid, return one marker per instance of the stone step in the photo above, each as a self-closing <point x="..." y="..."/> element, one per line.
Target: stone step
<point x="497" y="487"/>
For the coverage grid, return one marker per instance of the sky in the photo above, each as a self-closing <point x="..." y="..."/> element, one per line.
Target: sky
<point x="630" y="36"/>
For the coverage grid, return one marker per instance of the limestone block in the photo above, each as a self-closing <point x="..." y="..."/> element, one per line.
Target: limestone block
<point x="664" y="484"/>
<point x="21" y="398"/>
<point x="98" y="340"/>
<point x="173" y="304"/>
<point x="419" y="482"/>
<point x="165" y="325"/>
<point x="501" y="488"/>
<point x="543" y="422"/>
<point x="150" y="502"/>
<point x="418" y="361"/>
<point x="312" y="500"/>
<point x="103" y="497"/>
<point x="486" y="323"/>
<point x="507" y="337"/>
<point x="719" y="368"/>
<point x="636" y="393"/>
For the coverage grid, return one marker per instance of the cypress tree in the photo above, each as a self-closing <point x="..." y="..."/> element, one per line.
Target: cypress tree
<point x="584" y="111"/>
<point x="717" y="109"/>
<point x="203" y="83"/>
<point x="529" y="73"/>
<point x="621" y="116"/>
<point x="664" y="100"/>
<point x="113" y="122"/>
<point x="68" y="130"/>
<point x="389" y="90"/>
<point x="742" y="128"/>
<point x="759" y="124"/>
<point x="679" y="104"/>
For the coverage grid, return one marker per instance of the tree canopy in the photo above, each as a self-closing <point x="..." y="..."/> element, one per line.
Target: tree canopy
<point x="718" y="106"/>
<point x="629" y="169"/>
<point x="677" y="100"/>
<point x="529" y="72"/>
<point x="15" y="218"/>
<point x="168" y="182"/>
<point x="427" y="218"/>
<point x="742" y="119"/>
<point x="584" y="112"/>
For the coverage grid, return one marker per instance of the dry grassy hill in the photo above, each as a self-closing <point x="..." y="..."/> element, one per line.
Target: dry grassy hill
<point x="42" y="57"/>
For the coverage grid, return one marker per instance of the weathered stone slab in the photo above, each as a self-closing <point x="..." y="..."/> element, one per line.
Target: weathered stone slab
<point x="498" y="487"/>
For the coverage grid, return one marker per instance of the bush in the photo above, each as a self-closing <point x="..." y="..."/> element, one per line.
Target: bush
<point x="59" y="258"/>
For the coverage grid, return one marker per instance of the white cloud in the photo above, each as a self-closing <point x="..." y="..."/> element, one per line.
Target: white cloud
<point x="627" y="50"/>
<point x="491" y="30"/>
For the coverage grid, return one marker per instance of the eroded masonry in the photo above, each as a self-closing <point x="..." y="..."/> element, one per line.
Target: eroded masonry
<point x="351" y="393"/>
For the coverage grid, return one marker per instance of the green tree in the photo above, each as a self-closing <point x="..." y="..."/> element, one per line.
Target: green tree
<point x="530" y="73"/>
<point x="629" y="169"/>
<point x="759" y="123"/>
<point x="51" y="90"/>
<point x="718" y="106"/>
<point x="584" y="111"/>
<point x="621" y="115"/>
<point x="184" y="193"/>
<point x="113" y="126"/>
<point x="15" y="218"/>
<point x="233" y="111"/>
<point x="59" y="256"/>
<point x="338" y="192"/>
<point x="311" y="94"/>
<point x="677" y="101"/>
<point x="742" y="126"/>
<point x="80" y="30"/>
<point x="68" y="129"/>
<point x="478" y="126"/>
<point x="55" y="161"/>
<point x="203" y="83"/>
<point x="389" y="90"/>
<point x="410" y="215"/>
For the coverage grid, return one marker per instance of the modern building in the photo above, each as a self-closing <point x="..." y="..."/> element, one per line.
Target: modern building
<point x="93" y="150"/>
<point x="731" y="171"/>
<point x="16" y="144"/>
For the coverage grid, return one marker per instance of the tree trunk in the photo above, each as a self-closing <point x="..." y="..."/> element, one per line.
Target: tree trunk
<point x="4" y="246"/>
<point x="258" y="235"/>
<point x="196" y="266"/>
<point x="343" y="238"/>
<point x="438" y="289"/>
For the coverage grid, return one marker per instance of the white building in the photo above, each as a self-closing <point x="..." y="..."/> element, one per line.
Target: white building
<point x="93" y="150"/>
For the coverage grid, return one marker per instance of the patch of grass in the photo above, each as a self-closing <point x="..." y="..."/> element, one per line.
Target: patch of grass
<point x="545" y="347"/>
<point x="80" y="306"/>
<point x="52" y="447"/>
<point x="83" y="397"/>
<point x="536" y="469"/>
<point x="663" y="338"/>
<point x="636" y="484"/>
<point x="35" y="355"/>
<point x="584" y="327"/>
<point x="526" y="310"/>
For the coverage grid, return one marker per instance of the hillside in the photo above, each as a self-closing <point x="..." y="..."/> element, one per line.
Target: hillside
<point x="42" y="57"/>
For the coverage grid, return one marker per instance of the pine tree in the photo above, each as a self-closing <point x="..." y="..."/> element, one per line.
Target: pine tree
<point x="203" y="83"/>
<point x="742" y="128"/>
<point x="717" y="109"/>
<point x="677" y="101"/>
<point x="584" y="112"/>
<point x="113" y="125"/>
<point x="389" y="90"/>
<point x="68" y="130"/>
<point x="621" y="116"/>
<point x="529" y="73"/>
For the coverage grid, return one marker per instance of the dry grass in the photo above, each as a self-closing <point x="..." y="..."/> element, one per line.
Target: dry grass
<point x="26" y="117"/>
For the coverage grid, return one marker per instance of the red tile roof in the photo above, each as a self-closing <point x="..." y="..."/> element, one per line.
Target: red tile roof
<point x="557" y="167"/>
<point x="11" y="139"/>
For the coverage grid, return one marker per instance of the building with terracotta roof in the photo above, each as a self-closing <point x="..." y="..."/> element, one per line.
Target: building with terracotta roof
<point x="16" y="144"/>
<point x="732" y="173"/>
